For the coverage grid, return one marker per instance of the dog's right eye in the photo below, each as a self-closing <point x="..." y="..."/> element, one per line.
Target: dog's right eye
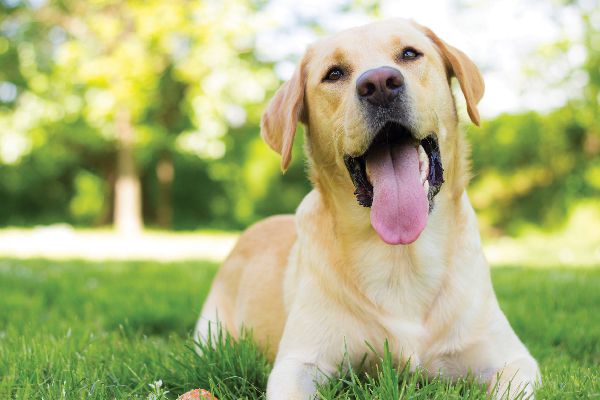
<point x="334" y="74"/>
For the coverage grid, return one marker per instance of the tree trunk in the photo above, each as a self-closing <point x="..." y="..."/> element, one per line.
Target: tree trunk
<point x="128" y="199"/>
<point x="164" y="174"/>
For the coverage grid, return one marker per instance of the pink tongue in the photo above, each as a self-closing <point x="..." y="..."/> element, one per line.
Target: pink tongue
<point x="400" y="206"/>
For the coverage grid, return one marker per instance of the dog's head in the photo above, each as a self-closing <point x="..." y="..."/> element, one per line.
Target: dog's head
<point x="380" y="118"/>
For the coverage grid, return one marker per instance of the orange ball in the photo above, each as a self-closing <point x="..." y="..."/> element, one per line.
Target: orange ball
<point x="197" y="394"/>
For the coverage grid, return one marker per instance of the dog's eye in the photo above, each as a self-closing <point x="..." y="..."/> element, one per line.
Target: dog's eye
<point x="333" y="74"/>
<point x="410" y="53"/>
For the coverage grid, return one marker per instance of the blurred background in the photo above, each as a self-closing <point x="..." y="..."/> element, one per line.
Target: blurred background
<point x="130" y="129"/>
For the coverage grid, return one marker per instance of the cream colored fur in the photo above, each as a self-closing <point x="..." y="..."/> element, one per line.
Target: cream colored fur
<point x="321" y="283"/>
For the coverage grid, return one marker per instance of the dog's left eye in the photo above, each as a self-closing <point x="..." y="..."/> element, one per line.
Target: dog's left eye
<point x="333" y="74"/>
<point x="410" y="53"/>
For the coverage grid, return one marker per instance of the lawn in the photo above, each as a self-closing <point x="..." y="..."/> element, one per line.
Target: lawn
<point x="71" y="330"/>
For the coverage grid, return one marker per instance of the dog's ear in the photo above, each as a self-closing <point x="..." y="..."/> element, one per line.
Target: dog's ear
<point x="465" y="70"/>
<point x="286" y="108"/>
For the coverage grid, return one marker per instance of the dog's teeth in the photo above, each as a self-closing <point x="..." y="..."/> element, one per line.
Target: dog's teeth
<point x="423" y="164"/>
<point x="426" y="187"/>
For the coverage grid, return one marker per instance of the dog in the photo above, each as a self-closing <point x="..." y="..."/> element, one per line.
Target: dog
<point x="386" y="245"/>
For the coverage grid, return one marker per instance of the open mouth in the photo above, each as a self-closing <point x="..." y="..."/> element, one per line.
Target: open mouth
<point x="398" y="177"/>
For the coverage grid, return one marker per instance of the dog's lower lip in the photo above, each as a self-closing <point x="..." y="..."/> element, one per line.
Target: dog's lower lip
<point x="357" y="165"/>
<point x="363" y="189"/>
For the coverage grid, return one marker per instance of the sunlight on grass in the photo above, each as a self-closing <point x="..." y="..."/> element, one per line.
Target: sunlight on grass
<point x="109" y="330"/>
<point x="576" y="244"/>
<point x="61" y="242"/>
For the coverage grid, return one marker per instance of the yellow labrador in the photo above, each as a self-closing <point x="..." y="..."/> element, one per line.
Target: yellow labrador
<point x="386" y="245"/>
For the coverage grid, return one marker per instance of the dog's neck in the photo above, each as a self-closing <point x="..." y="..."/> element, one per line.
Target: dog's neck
<point x="363" y="264"/>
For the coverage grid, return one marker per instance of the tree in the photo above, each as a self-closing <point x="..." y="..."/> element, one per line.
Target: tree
<point x="149" y="79"/>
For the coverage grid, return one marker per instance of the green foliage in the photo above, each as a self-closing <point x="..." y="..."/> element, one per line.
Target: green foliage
<point x="182" y="73"/>
<point x="87" y="204"/>
<point x="187" y="75"/>
<point x="532" y="168"/>
<point x="109" y="330"/>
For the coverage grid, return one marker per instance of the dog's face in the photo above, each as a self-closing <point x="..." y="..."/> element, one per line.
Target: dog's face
<point x="378" y="109"/>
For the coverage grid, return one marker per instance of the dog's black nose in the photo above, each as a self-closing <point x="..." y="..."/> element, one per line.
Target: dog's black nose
<point x="380" y="86"/>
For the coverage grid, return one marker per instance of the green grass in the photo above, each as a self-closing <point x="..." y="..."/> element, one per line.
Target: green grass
<point x="81" y="330"/>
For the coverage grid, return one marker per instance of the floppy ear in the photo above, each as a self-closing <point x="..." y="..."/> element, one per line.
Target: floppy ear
<point x="279" y="120"/>
<point x="465" y="70"/>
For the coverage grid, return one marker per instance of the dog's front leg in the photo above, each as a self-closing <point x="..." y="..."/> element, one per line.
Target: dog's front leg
<point x="312" y="346"/>
<point x="294" y="379"/>
<point x="502" y="360"/>
<point x="517" y="379"/>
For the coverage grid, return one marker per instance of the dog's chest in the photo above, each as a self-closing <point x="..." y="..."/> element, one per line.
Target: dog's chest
<point x="402" y="284"/>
